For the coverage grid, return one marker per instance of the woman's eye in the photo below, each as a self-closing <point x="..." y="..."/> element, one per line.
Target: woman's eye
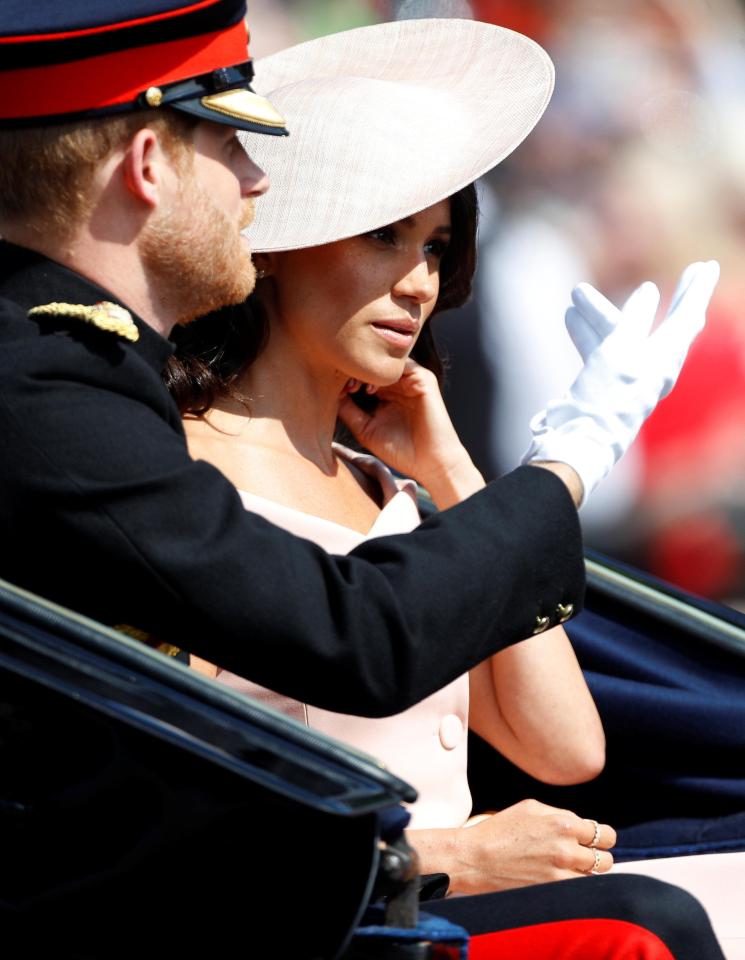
<point x="436" y="248"/>
<point x="385" y="235"/>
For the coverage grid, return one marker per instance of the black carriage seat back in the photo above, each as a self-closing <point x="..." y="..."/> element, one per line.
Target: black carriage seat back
<point x="137" y="797"/>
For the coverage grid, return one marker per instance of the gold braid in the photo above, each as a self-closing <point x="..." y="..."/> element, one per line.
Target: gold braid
<point x="104" y="315"/>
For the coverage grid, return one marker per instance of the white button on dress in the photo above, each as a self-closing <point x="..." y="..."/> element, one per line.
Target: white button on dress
<point x="451" y="731"/>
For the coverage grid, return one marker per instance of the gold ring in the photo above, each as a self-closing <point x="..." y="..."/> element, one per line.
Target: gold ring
<point x="596" y="835"/>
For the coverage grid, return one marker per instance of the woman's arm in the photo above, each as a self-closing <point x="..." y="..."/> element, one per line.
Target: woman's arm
<point x="524" y="844"/>
<point x="532" y="703"/>
<point x="529" y="701"/>
<point x="412" y="432"/>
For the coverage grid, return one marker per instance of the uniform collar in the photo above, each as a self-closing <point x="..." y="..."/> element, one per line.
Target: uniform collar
<point x="30" y="279"/>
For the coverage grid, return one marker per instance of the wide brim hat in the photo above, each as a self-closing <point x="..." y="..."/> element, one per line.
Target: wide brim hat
<point x="73" y="60"/>
<point x="389" y="119"/>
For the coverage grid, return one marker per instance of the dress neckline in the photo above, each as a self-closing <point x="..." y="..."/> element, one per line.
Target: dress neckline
<point x="387" y="508"/>
<point x="399" y="497"/>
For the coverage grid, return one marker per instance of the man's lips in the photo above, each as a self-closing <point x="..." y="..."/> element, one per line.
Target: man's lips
<point x="247" y="214"/>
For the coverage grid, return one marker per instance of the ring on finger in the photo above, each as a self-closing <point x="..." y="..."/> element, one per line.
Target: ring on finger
<point x="595" y="868"/>
<point x="596" y="835"/>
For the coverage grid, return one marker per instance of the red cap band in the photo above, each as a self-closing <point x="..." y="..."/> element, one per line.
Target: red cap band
<point x="118" y="77"/>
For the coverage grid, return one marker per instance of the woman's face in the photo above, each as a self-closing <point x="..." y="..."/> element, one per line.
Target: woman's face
<point x="355" y="308"/>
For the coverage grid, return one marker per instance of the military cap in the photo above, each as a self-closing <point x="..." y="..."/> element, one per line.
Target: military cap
<point x="68" y="60"/>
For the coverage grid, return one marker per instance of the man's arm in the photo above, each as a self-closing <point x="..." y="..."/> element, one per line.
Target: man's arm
<point x="103" y="510"/>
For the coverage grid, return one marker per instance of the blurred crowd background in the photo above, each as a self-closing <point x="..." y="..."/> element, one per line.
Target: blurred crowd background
<point x="637" y="168"/>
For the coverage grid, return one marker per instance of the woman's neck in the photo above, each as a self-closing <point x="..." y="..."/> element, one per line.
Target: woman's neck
<point x="277" y="442"/>
<point x="287" y="405"/>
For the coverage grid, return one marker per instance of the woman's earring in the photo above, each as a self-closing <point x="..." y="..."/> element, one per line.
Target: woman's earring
<point x="260" y="274"/>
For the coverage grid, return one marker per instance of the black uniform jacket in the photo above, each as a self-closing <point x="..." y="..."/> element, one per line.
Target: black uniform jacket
<point x="103" y="511"/>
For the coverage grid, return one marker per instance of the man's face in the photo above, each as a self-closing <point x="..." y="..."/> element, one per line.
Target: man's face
<point x="193" y="244"/>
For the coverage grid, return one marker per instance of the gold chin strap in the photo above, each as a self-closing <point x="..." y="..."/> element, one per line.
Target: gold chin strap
<point x="244" y="105"/>
<point x="105" y="315"/>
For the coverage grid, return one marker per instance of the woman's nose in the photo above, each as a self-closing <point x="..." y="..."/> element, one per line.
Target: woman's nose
<point x="419" y="283"/>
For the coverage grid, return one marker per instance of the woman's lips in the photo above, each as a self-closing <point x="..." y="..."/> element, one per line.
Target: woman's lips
<point x="399" y="333"/>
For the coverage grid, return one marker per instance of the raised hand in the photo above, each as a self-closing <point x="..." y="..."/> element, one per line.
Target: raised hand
<point x="411" y="431"/>
<point x="627" y="371"/>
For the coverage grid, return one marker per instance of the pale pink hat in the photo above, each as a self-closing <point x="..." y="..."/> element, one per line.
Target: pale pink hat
<point x="387" y="120"/>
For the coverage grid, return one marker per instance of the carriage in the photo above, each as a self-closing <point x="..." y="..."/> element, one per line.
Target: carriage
<point x="146" y="809"/>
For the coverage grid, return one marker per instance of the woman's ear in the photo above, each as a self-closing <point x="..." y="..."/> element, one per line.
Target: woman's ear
<point x="264" y="263"/>
<point x="143" y="167"/>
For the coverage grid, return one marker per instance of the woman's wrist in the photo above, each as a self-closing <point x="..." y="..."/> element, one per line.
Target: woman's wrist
<point x="434" y="847"/>
<point x="450" y="850"/>
<point x="451" y="483"/>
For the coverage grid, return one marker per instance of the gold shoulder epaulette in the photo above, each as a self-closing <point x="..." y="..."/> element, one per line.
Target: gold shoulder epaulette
<point x="104" y="315"/>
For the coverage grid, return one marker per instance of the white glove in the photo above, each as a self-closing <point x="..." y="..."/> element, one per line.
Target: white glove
<point x="627" y="371"/>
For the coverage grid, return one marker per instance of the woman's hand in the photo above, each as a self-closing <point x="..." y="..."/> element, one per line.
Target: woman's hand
<point x="527" y="843"/>
<point x="411" y="431"/>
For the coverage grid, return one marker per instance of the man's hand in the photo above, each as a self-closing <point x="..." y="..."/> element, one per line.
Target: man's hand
<point x="627" y="371"/>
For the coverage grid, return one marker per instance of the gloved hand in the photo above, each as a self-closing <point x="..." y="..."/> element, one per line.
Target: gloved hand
<point x="627" y="371"/>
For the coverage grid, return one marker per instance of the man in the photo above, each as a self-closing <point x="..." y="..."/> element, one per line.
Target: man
<point x="122" y="194"/>
<point x="121" y="181"/>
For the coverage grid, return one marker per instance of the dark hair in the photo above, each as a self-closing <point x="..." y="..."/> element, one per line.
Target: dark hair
<point x="213" y="351"/>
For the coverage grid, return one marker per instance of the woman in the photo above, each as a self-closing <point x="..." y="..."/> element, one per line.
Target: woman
<point x="276" y="445"/>
<point x="339" y="311"/>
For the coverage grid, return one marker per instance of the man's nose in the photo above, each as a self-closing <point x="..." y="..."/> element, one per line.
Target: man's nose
<point x="254" y="182"/>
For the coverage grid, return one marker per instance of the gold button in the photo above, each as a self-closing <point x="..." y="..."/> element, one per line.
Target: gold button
<point x="153" y="96"/>
<point x="541" y="623"/>
<point x="564" y="610"/>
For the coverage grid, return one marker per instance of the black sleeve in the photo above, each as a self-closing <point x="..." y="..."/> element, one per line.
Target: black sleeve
<point x="103" y="511"/>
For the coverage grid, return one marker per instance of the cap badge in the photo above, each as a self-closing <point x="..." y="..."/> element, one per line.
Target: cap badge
<point x="153" y="96"/>
<point x="105" y="315"/>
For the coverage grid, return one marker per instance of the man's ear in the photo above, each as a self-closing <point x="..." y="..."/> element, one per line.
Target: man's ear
<point x="144" y="167"/>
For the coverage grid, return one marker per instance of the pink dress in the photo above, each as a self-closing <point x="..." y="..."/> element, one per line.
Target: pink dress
<point x="426" y="744"/>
